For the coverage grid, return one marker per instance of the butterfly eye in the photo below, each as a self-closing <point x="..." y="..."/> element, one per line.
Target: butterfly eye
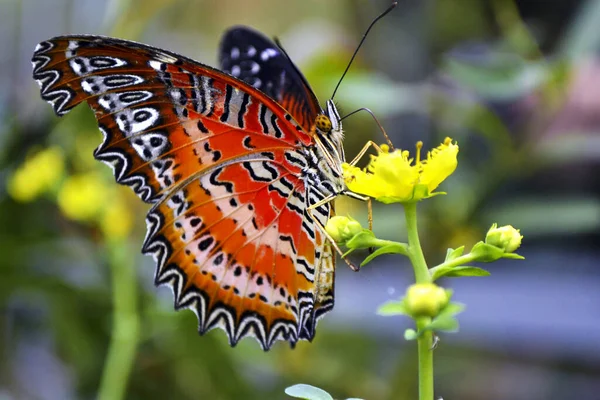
<point x="323" y="123"/>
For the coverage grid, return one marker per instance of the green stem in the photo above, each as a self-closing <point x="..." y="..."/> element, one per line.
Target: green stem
<point x="425" y="354"/>
<point x="415" y="253"/>
<point x="425" y="341"/>
<point x="462" y="260"/>
<point x="126" y="324"/>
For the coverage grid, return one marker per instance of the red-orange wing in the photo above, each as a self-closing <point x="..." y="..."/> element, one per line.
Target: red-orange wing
<point x="222" y="163"/>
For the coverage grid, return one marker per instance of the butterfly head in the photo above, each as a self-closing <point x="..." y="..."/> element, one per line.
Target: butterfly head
<point x="328" y="123"/>
<point x="323" y="123"/>
<point x="329" y="135"/>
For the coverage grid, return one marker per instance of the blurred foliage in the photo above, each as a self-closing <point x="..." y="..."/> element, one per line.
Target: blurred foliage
<point x="469" y="69"/>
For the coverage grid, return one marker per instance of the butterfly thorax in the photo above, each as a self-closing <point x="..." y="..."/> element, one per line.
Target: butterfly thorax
<point x="324" y="172"/>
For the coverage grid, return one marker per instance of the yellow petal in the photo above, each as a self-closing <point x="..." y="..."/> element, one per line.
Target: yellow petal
<point x="440" y="164"/>
<point x="389" y="177"/>
<point x="358" y="180"/>
<point x="394" y="175"/>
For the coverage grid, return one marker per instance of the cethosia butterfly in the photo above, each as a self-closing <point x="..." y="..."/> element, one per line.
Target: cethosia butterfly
<point x="240" y="166"/>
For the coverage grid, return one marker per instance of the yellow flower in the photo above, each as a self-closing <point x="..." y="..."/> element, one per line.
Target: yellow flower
<point x="116" y="221"/>
<point x="394" y="177"/>
<point x="506" y="238"/>
<point x="39" y="174"/>
<point x="82" y="197"/>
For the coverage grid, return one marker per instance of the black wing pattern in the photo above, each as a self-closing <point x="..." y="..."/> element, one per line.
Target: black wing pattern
<point x="252" y="57"/>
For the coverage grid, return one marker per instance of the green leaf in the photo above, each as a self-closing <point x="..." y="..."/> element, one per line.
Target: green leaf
<point x="392" y="307"/>
<point x="362" y="240"/>
<point x="438" y="272"/>
<point x="307" y="392"/>
<point x="393" y="248"/>
<point x="486" y="252"/>
<point x="444" y="324"/>
<point x="451" y="254"/>
<point x="452" y="309"/>
<point x="513" y="256"/>
<point x="410" y="334"/>
<point x="466" y="271"/>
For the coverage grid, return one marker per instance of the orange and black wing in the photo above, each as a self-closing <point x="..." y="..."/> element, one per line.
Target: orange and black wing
<point x="222" y="164"/>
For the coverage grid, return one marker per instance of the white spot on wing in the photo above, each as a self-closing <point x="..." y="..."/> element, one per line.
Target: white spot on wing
<point x="268" y="53"/>
<point x="165" y="58"/>
<point x="138" y="120"/>
<point x="155" y="65"/>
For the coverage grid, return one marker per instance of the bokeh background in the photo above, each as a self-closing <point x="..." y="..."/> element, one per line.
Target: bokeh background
<point x="516" y="82"/>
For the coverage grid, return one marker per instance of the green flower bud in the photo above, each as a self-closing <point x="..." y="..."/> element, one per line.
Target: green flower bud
<point x="506" y="238"/>
<point x="341" y="229"/>
<point x="425" y="300"/>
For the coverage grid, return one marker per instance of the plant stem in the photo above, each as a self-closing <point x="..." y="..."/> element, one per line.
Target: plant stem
<point x="425" y="354"/>
<point x="425" y="341"/>
<point x="415" y="253"/>
<point x="126" y="324"/>
<point x="462" y="260"/>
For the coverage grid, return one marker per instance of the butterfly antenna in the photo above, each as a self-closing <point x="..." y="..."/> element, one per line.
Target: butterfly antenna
<point x="387" y="138"/>
<point x="383" y="14"/>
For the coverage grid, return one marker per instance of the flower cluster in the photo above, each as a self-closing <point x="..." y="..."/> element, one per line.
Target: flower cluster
<point x="84" y="197"/>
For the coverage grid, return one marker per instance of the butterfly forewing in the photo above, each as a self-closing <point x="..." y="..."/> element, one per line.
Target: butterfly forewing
<point x="223" y="163"/>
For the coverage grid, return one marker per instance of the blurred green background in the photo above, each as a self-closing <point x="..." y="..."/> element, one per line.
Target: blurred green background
<point x="515" y="82"/>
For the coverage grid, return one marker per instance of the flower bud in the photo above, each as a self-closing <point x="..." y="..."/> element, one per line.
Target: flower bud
<point x="506" y="238"/>
<point x="341" y="229"/>
<point x="425" y="300"/>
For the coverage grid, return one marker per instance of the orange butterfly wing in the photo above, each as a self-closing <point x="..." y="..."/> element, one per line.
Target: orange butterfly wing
<point x="222" y="163"/>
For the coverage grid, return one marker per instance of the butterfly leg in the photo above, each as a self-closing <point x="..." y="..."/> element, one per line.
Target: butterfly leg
<point x="369" y="209"/>
<point x="369" y="205"/>
<point x="327" y="235"/>
<point x="370" y="214"/>
<point x="362" y="152"/>
<point x="355" y="160"/>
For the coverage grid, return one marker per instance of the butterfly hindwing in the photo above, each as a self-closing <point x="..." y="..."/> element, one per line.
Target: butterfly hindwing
<point x="239" y="241"/>
<point x="254" y="58"/>
<point x="222" y="162"/>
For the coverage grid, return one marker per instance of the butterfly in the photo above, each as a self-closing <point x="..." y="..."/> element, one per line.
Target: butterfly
<point x="239" y="165"/>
